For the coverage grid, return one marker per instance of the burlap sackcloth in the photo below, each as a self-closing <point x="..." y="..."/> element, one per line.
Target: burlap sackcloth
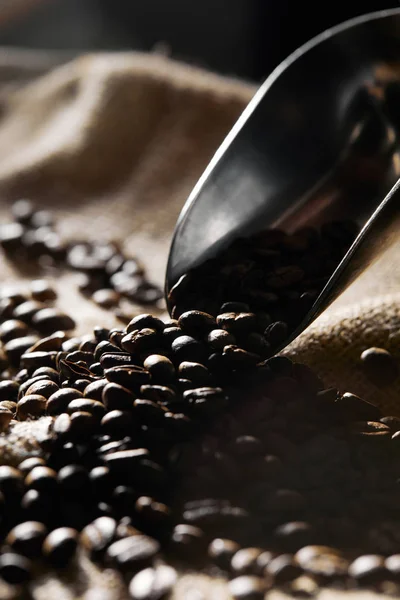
<point x="114" y="144"/>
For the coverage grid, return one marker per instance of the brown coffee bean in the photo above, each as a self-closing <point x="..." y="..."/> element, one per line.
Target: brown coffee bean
<point x="156" y="513"/>
<point x="11" y="329"/>
<point x="125" y="460"/>
<point x="95" y="389"/>
<point x="59" y="400"/>
<point x="14" y="568"/>
<point x="283" y="568"/>
<point x="130" y="377"/>
<point x="221" y="551"/>
<point x="134" y="552"/>
<point x="161" y="368"/>
<point x="195" y="372"/>
<point x="11" y="482"/>
<point x="8" y="405"/>
<point x="8" y="390"/>
<point x="49" y="320"/>
<point x="41" y="290"/>
<point x="240" y="359"/>
<point x="60" y="545"/>
<point x="6" y="417"/>
<point x="247" y="587"/>
<point x="294" y="535"/>
<point x="186" y="347"/>
<point x="368" y="569"/>
<point x="219" y="338"/>
<point x="276" y="333"/>
<point x="154" y="583"/>
<point x="353" y="407"/>
<point x="98" y="535"/>
<point x="73" y="479"/>
<point x="45" y="388"/>
<point x="31" y="405"/>
<point x="27" y="310"/>
<point x="196" y="323"/>
<point x="117" y="397"/>
<point x="379" y="366"/>
<point x="392" y="564"/>
<point x="145" y="321"/>
<point x="29" y="463"/>
<point x="117" y="422"/>
<point x="106" y="298"/>
<point x="158" y="393"/>
<point x="244" y="561"/>
<point x="94" y="407"/>
<point x="83" y="424"/>
<point x="42" y="479"/>
<point x="392" y="422"/>
<point x="33" y="360"/>
<point x="27" y="538"/>
<point x="322" y="561"/>
<point x="17" y="347"/>
<point x="50" y="343"/>
<point x="187" y="540"/>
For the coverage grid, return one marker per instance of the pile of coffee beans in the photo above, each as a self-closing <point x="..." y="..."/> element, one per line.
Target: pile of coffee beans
<point x="107" y="274"/>
<point x="176" y="445"/>
<point x="273" y="275"/>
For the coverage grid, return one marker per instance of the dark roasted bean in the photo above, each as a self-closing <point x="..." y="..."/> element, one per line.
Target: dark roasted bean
<point x="154" y="583"/>
<point x="130" y="377"/>
<point x="58" y="402"/>
<point x="187" y="539"/>
<point x="107" y="361"/>
<point x="322" y="561"/>
<point x="22" y="210"/>
<point x="125" y="460"/>
<point x="239" y="358"/>
<point x="14" y="568"/>
<point x="187" y="348"/>
<point x="29" y="463"/>
<point x="116" y="397"/>
<point x="8" y="390"/>
<point x="95" y="389"/>
<point x="83" y="424"/>
<point x="73" y="479"/>
<point x="27" y="538"/>
<point x="196" y="323"/>
<point x="283" y="568"/>
<point x="143" y="340"/>
<point x="379" y="366"/>
<point x="276" y="333"/>
<point x="43" y="387"/>
<point x="170" y="334"/>
<point x="195" y="372"/>
<point x="107" y="298"/>
<point x="27" y="310"/>
<point x="11" y="329"/>
<point x="219" y="338"/>
<point x="244" y="561"/>
<point x="117" y="422"/>
<point x="134" y="552"/>
<point x="41" y="290"/>
<point x="98" y="535"/>
<point x="11" y="481"/>
<point x="6" y="417"/>
<point x="42" y="479"/>
<point x="60" y="545"/>
<point x="11" y="235"/>
<point x="368" y="569"/>
<point x="145" y="321"/>
<point x="161" y="368"/>
<point x="158" y="393"/>
<point x="8" y="405"/>
<point x="31" y="405"/>
<point x="247" y="587"/>
<point x="221" y="552"/>
<point x="49" y="320"/>
<point x="48" y="373"/>
<point x="147" y="411"/>
<point x="17" y="347"/>
<point x="94" y="407"/>
<point x="32" y="360"/>
<point x="105" y="347"/>
<point x="80" y="384"/>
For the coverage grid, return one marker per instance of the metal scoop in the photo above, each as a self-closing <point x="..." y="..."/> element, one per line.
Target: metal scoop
<point x="319" y="141"/>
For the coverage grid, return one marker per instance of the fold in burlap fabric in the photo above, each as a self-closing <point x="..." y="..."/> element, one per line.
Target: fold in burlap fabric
<point x="114" y="144"/>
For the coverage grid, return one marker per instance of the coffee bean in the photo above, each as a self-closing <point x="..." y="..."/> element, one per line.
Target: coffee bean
<point x="353" y="407"/>
<point x="14" y="568"/>
<point x="11" y="236"/>
<point x="49" y="320"/>
<point x="60" y="545"/>
<point x="8" y="390"/>
<point x="322" y="562"/>
<point x="117" y="422"/>
<point x="79" y="384"/>
<point x="47" y="373"/>
<point x="244" y="561"/>
<point x="238" y="358"/>
<point x="187" y="348"/>
<point x="59" y="400"/>
<point x="83" y="424"/>
<point x="379" y="366"/>
<point x="161" y="368"/>
<point x="368" y="569"/>
<point x="8" y="405"/>
<point x="373" y="431"/>
<point x="37" y="505"/>
<point x="153" y="583"/>
<point x="72" y="479"/>
<point x="129" y="377"/>
<point x="294" y="535"/>
<point x="392" y="564"/>
<point x="17" y="347"/>
<point x="6" y="417"/>
<point x="27" y="310"/>
<point x="41" y="290"/>
<point x="221" y="552"/>
<point x="125" y="460"/>
<point x="44" y="387"/>
<point x="11" y="482"/>
<point x="98" y="535"/>
<point x="145" y="321"/>
<point x="159" y="393"/>
<point x="133" y="553"/>
<point x="139" y="341"/>
<point x="392" y="422"/>
<point x="195" y="372"/>
<point x="42" y="479"/>
<point x="94" y="407"/>
<point x="196" y="323"/>
<point x="276" y="333"/>
<point x="27" y="538"/>
<point x="170" y="334"/>
<point x="187" y="540"/>
<point x="100" y="480"/>
<point x="106" y="298"/>
<point x="31" y="405"/>
<point x="247" y="587"/>
<point x="22" y="210"/>
<point x="283" y="568"/>
<point x="11" y="329"/>
<point x="32" y="360"/>
<point x="29" y="463"/>
<point x="155" y="513"/>
<point x="116" y="397"/>
<point x="107" y="361"/>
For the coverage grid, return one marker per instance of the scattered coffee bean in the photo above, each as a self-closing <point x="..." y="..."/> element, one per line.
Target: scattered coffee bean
<point x="14" y="568"/>
<point x="134" y="552"/>
<point x="379" y="366"/>
<point x="154" y="583"/>
<point x="27" y="538"/>
<point x="60" y="545"/>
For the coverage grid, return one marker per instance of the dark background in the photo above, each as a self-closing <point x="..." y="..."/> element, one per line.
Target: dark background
<point x="245" y="38"/>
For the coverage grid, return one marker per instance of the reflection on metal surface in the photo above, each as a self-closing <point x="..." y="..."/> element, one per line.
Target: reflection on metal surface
<point x="319" y="141"/>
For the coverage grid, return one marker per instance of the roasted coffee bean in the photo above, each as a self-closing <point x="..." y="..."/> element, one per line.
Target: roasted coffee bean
<point x="106" y="298"/>
<point x="83" y="424"/>
<point x="238" y="358"/>
<point x="42" y="218"/>
<point x="219" y="338"/>
<point x="11" y="235"/>
<point x="6" y="417"/>
<point x="42" y="479"/>
<point x="105" y="347"/>
<point x="134" y="552"/>
<point x="156" y="513"/>
<point x="60" y="545"/>
<point x="17" y="347"/>
<point x="11" y="329"/>
<point x="123" y="499"/>
<point x="221" y="552"/>
<point x="283" y="568"/>
<point x="8" y="405"/>
<point x="117" y="422"/>
<point x="73" y="478"/>
<point x="368" y="569"/>
<point x="130" y="377"/>
<point x="205" y="400"/>
<point x="195" y="372"/>
<point x="11" y="482"/>
<point x="187" y="540"/>
<point x="95" y="389"/>
<point x="49" y="320"/>
<point x="94" y="407"/>
<point x="78" y="356"/>
<point x="143" y="340"/>
<point x="43" y="387"/>
<point x="125" y="460"/>
<point x="98" y="535"/>
<point x="244" y="561"/>
<point x="107" y="361"/>
<point x="27" y="310"/>
<point x="6" y="306"/>
<point x="188" y="348"/>
<point x="116" y="397"/>
<point x="276" y="333"/>
<point x="145" y="321"/>
<point x="196" y="323"/>
<point x="322" y="562"/>
<point x="353" y="407"/>
<point x="392" y="422"/>
<point x="14" y="568"/>
<point x="379" y="366"/>
<point x="159" y="393"/>
<point x="59" y="400"/>
<point x="247" y="587"/>
<point x="79" y="384"/>
<point x="147" y="411"/>
<point x="41" y="290"/>
<point x="161" y="368"/>
<point x="37" y="506"/>
<point x="31" y="405"/>
<point x="32" y="360"/>
<point x="48" y="373"/>
<point x="100" y="480"/>
<point x="294" y="535"/>
<point x="170" y="334"/>
<point x="27" y="538"/>
<point x="8" y="390"/>
<point x="30" y="463"/>
<point x="154" y="583"/>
